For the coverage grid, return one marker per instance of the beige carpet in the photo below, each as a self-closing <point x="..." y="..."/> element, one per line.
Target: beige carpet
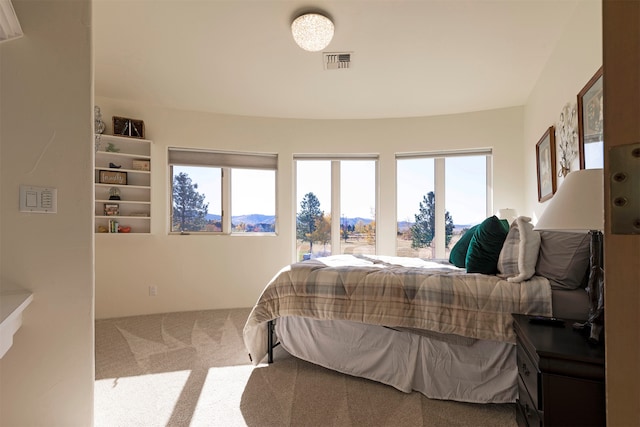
<point x="191" y="369"/>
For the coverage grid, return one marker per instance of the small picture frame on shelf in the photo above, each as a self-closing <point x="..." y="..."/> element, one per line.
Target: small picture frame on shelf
<point x="546" y="164"/>
<point x="123" y="126"/>
<point x="111" y="209"/>
<point x="141" y="165"/>
<point x="112" y="177"/>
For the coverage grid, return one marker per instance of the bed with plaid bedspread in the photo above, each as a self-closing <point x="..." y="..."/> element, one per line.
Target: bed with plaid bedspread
<point x="395" y="292"/>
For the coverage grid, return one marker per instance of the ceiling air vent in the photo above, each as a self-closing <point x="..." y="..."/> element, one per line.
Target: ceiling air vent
<point x="337" y="61"/>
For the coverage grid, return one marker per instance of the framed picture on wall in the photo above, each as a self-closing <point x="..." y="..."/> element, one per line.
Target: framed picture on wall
<point x="546" y="164"/>
<point x="591" y="123"/>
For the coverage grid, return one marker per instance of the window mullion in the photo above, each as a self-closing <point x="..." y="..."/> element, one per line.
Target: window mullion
<point x="226" y="200"/>
<point x="335" y="207"/>
<point x="440" y="233"/>
<point x="489" y="179"/>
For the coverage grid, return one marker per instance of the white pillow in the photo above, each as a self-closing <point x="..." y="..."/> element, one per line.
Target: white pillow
<point x="519" y="254"/>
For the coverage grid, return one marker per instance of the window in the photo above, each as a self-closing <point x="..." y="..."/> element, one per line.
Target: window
<point x="438" y="198"/>
<point x="205" y="185"/>
<point x="335" y="206"/>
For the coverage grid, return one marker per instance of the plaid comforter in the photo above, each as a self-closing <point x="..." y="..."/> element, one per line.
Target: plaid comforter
<point x="396" y="292"/>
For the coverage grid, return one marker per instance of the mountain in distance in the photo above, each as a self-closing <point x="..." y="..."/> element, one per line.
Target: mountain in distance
<point x="353" y="221"/>
<point x="457" y="228"/>
<point x="253" y="219"/>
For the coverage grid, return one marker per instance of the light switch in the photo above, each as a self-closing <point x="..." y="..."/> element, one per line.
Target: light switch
<point x="32" y="199"/>
<point x="38" y="199"/>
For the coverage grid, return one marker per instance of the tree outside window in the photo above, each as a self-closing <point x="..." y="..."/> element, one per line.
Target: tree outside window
<point x="308" y="218"/>
<point x="189" y="208"/>
<point x="424" y="228"/>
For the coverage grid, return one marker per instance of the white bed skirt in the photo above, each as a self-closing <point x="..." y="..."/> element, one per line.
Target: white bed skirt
<point x="467" y="371"/>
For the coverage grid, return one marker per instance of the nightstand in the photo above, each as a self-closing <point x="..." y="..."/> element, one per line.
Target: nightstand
<point x="560" y="376"/>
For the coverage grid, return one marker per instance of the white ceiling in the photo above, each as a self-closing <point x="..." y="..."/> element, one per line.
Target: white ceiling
<point x="410" y="58"/>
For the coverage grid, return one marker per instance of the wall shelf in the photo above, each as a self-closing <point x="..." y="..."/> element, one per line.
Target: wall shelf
<point x="134" y="206"/>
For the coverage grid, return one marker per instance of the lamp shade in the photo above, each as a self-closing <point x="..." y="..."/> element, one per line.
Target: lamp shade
<point x="312" y="31"/>
<point x="578" y="204"/>
<point x="507" y="213"/>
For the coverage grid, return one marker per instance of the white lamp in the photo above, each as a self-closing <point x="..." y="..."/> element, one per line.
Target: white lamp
<point x="577" y="206"/>
<point x="312" y="31"/>
<point x="507" y="213"/>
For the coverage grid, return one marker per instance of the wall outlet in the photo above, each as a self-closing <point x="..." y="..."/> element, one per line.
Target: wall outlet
<point x="153" y="291"/>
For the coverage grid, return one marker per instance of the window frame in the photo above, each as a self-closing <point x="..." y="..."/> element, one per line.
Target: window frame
<point x="335" y="192"/>
<point x="226" y="161"/>
<point x="439" y="183"/>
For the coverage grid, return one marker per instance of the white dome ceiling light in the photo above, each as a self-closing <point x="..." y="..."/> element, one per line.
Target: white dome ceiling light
<point x="312" y="31"/>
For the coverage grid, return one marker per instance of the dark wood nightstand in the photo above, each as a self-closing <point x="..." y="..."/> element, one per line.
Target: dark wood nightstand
<point x="560" y="376"/>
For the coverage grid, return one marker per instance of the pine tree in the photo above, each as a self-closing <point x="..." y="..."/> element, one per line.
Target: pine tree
<point x="189" y="209"/>
<point x="423" y="231"/>
<point x="307" y="218"/>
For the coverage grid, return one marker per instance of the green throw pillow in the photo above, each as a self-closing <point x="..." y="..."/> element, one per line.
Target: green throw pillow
<point x="458" y="253"/>
<point x="485" y="246"/>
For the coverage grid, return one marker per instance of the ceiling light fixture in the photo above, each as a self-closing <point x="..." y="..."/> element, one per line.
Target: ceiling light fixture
<point x="312" y="31"/>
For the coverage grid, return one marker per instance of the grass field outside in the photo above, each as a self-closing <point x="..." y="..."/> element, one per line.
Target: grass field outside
<point x="361" y="246"/>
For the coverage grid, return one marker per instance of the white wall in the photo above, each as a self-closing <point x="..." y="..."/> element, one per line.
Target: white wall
<point x="205" y="272"/>
<point x="45" y="140"/>
<point x="576" y="58"/>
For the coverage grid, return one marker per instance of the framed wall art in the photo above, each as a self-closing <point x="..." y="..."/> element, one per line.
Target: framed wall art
<point x="123" y="126"/>
<point x="591" y="123"/>
<point x="546" y="164"/>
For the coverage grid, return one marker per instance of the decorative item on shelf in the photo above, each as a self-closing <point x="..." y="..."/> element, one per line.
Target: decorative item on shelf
<point x="591" y="123"/>
<point x="111" y="209"/>
<point x="124" y="229"/>
<point x="567" y="138"/>
<point x="112" y="177"/>
<point x="114" y="193"/>
<point x="97" y="142"/>
<point x="114" y="166"/>
<point x="128" y="127"/>
<point x="111" y="148"/>
<point x="141" y="165"/>
<point x="578" y="206"/>
<point x="98" y="123"/>
<point x="102" y="229"/>
<point x="546" y="165"/>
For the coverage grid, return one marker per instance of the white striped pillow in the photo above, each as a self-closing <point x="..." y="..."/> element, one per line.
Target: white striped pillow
<point x="519" y="254"/>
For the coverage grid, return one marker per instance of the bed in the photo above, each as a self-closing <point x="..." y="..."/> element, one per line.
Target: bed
<point x="433" y="327"/>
